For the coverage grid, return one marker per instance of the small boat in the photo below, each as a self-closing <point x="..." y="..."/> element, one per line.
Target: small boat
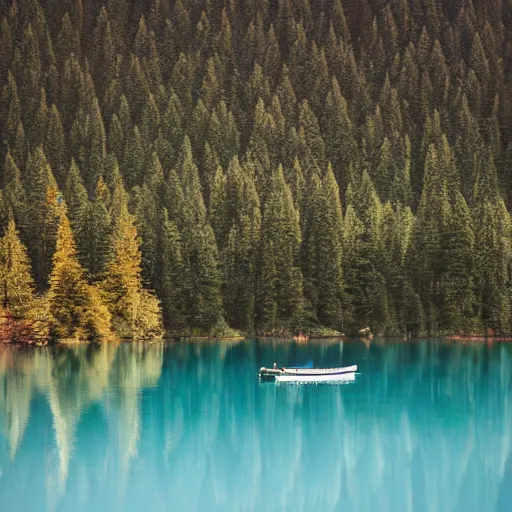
<point x="346" y="373"/>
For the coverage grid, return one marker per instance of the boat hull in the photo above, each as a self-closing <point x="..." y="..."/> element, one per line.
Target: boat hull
<point x="306" y="374"/>
<point x="338" y="377"/>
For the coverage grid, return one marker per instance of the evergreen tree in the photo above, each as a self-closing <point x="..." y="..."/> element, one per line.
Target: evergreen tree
<point x="492" y="229"/>
<point x="280" y="246"/>
<point x="338" y="129"/>
<point x="15" y="194"/>
<point x="239" y="255"/>
<point x="135" y="312"/>
<point x="16" y="282"/>
<point x="75" y="194"/>
<point x="55" y="146"/>
<point x="75" y="307"/>
<point x="174" y="276"/>
<point x="133" y="162"/>
<point x="94" y="233"/>
<point x="328" y="247"/>
<point x="206" y="299"/>
<point x="457" y="279"/>
<point x="42" y="215"/>
<point x="426" y="256"/>
<point x="364" y="267"/>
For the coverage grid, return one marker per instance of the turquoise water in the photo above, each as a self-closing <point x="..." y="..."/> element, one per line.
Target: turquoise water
<point x="426" y="425"/>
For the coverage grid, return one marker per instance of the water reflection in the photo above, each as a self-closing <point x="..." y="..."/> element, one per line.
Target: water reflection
<point x="426" y="425"/>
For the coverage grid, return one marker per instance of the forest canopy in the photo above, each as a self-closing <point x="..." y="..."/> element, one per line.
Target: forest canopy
<point x="266" y="165"/>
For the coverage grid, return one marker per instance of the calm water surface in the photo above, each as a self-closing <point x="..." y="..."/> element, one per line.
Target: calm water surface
<point x="426" y="425"/>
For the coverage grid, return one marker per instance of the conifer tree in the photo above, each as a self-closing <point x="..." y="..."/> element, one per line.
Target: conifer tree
<point x="426" y="256"/>
<point x="94" y="233"/>
<point x="280" y="246"/>
<point x="16" y="282"/>
<point x="457" y="280"/>
<point x="328" y="247"/>
<point x="206" y="299"/>
<point x="172" y="132"/>
<point x="96" y="148"/>
<point x="218" y="207"/>
<point x="401" y="191"/>
<point x="364" y="268"/>
<point x="15" y="194"/>
<point x="174" y="276"/>
<point x="135" y="312"/>
<point x="492" y="228"/>
<point x="137" y="88"/>
<point x="115" y="137"/>
<point x="223" y="134"/>
<point x="338" y="129"/>
<point x="146" y="212"/>
<point x="42" y="216"/>
<point x="75" y="194"/>
<point x="10" y="108"/>
<point x="76" y="308"/>
<point x="132" y="164"/>
<point x="309" y="123"/>
<point x="55" y="146"/>
<point x="239" y="255"/>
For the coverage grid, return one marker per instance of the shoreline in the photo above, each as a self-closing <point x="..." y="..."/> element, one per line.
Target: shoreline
<point x="288" y="338"/>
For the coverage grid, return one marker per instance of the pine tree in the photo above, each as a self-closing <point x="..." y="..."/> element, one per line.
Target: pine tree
<point x="146" y="212"/>
<point x="309" y="123"/>
<point x="15" y="194"/>
<point x="10" y="109"/>
<point x="55" y="146"/>
<point x="94" y="233"/>
<point x="174" y="276"/>
<point x="364" y="268"/>
<point x="202" y="253"/>
<point x="328" y="242"/>
<point x="75" y="194"/>
<point x="134" y="159"/>
<point x="492" y="229"/>
<point x="134" y="310"/>
<point x="338" y="130"/>
<point x="223" y="133"/>
<point x="280" y="245"/>
<point x="457" y="279"/>
<point x="96" y="148"/>
<point x="239" y="254"/>
<point x="42" y="215"/>
<point x="218" y="214"/>
<point x="75" y="307"/>
<point x="426" y="256"/>
<point x="137" y="88"/>
<point x="16" y="282"/>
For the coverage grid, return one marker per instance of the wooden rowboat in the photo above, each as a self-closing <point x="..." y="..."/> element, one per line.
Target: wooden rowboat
<point x="308" y="374"/>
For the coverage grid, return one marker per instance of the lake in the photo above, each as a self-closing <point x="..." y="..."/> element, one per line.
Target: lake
<point x="426" y="425"/>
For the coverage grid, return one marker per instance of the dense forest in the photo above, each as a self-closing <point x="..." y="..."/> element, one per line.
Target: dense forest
<point x="258" y="164"/>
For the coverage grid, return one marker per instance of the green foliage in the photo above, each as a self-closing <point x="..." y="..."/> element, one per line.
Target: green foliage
<point x="175" y="277"/>
<point x="281" y="276"/>
<point x="407" y="106"/>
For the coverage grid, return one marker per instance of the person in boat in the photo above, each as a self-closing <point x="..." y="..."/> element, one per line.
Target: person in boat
<point x="275" y="366"/>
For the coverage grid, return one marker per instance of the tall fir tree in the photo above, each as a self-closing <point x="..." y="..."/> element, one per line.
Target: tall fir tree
<point x="135" y="311"/>
<point x="16" y="282"/>
<point x="280" y="247"/>
<point x="76" y="308"/>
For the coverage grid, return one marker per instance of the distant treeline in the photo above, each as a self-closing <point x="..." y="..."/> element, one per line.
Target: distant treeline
<point x="282" y="163"/>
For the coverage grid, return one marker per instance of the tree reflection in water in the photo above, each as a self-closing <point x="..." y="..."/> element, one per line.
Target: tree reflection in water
<point x="426" y="425"/>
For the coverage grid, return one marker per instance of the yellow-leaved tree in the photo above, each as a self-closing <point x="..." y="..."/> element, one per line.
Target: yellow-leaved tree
<point x="136" y="312"/>
<point x="76" y="307"/>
